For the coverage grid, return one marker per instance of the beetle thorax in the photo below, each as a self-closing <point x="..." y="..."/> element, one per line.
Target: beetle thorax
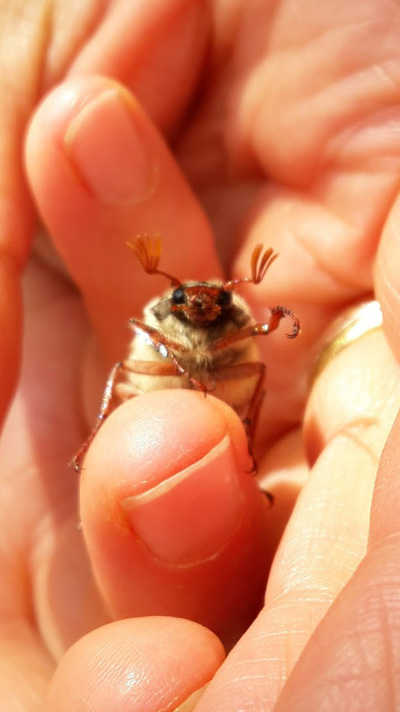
<point x="201" y="320"/>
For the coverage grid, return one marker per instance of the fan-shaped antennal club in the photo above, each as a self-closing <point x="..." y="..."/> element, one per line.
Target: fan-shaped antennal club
<point x="260" y="263"/>
<point x="148" y="251"/>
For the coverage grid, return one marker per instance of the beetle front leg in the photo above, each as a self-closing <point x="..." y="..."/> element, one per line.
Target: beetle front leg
<point x="277" y="313"/>
<point x="104" y="411"/>
<point x="165" y="347"/>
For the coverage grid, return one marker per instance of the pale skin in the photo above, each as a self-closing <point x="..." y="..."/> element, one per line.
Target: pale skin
<point x="308" y="154"/>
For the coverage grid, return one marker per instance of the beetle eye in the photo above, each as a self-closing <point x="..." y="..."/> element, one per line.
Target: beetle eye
<point x="224" y="298"/>
<point x="178" y="296"/>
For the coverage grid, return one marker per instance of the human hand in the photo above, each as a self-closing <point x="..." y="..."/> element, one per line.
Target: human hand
<point x="91" y="231"/>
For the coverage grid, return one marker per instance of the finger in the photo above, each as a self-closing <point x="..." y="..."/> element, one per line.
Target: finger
<point x="348" y="418"/>
<point x="43" y="561"/>
<point x="325" y="139"/>
<point x="19" y="69"/>
<point x="10" y="325"/>
<point x="325" y="163"/>
<point x="156" y="50"/>
<point x="173" y="521"/>
<point x="383" y="517"/>
<point x="283" y="472"/>
<point x="101" y="174"/>
<point x="387" y="279"/>
<point x="40" y="62"/>
<point x="352" y="658"/>
<point x="352" y="655"/>
<point x="384" y="513"/>
<point x="25" y="665"/>
<point x="146" y="665"/>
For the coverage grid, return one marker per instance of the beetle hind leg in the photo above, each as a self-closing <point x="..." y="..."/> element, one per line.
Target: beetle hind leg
<point x="105" y="410"/>
<point x="253" y="411"/>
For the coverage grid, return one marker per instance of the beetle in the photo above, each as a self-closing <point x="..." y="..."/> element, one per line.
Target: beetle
<point x="197" y="335"/>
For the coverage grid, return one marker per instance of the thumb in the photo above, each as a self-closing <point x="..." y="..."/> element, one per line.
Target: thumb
<point x="174" y="524"/>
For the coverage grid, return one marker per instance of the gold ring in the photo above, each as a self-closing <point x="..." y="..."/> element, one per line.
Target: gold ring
<point x="356" y="322"/>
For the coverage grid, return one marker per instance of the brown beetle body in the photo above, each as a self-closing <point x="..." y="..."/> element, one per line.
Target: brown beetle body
<point x="205" y="365"/>
<point x="197" y="335"/>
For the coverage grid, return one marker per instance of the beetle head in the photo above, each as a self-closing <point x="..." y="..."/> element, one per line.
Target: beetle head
<point x="201" y="303"/>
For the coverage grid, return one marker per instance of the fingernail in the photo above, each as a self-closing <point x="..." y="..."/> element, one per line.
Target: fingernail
<point x="191" y="516"/>
<point x="108" y="152"/>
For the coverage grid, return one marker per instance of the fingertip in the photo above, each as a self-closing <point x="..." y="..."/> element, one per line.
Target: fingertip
<point x="137" y="665"/>
<point x="159" y="434"/>
<point x="100" y="173"/>
<point x="74" y="150"/>
<point x="173" y="523"/>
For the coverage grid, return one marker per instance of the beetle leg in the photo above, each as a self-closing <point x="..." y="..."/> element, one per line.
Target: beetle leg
<point x="104" y="411"/>
<point x="253" y="411"/>
<point x="166" y="347"/>
<point x="183" y="372"/>
<point x="153" y="337"/>
<point x="240" y="371"/>
<point x="123" y="391"/>
<point x="277" y="313"/>
<point x="244" y="370"/>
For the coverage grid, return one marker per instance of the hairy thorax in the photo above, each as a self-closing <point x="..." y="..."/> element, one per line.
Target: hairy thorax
<point x="194" y="347"/>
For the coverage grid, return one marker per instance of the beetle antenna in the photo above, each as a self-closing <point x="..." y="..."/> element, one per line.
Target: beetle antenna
<point x="148" y="251"/>
<point x="260" y="263"/>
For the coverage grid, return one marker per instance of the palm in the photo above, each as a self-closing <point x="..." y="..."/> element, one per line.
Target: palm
<point x="273" y="156"/>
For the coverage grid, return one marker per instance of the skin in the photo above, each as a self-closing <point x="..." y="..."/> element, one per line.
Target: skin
<point x="306" y="158"/>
